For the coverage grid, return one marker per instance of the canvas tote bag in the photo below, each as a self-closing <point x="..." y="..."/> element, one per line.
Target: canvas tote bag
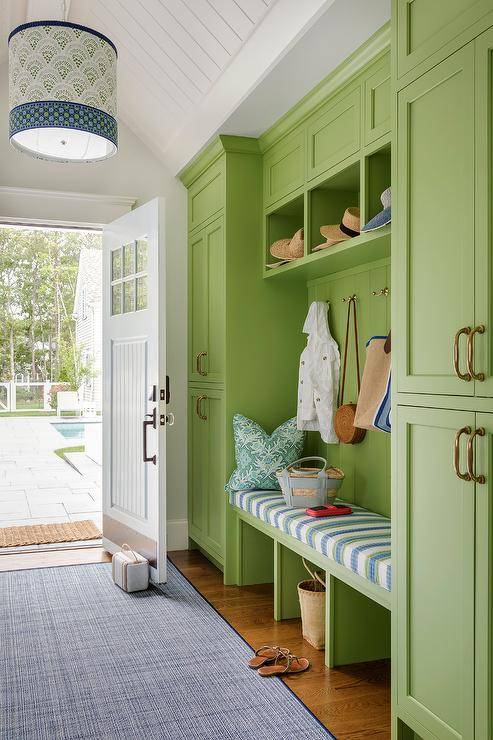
<point x="344" y="420"/>
<point x="373" y="409"/>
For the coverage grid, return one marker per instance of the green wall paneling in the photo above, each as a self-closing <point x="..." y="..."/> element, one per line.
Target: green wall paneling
<point x="257" y="561"/>
<point x="423" y="29"/>
<point x="207" y="303"/>
<point x="377" y="99"/>
<point x="334" y="132"/>
<point x="433" y="188"/>
<point x="434" y="563"/>
<point x="206" y="500"/>
<point x="483" y="346"/>
<point x="284" y="167"/>
<point x="366" y="465"/>
<point x="329" y="199"/>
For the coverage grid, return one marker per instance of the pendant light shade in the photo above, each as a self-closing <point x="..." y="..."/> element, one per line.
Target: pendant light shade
<point x="62" y="92"/>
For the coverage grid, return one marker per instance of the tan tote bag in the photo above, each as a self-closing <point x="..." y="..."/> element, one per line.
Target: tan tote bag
<point x="375" y="386"/>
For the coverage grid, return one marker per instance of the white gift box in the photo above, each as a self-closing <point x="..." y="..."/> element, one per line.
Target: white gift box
<point x="130" y="570"/>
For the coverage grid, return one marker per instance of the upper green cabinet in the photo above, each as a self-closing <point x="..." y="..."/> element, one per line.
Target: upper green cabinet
<point x="434" y="559"/>
<point x="376" y="92"/>
<point x="425" y="26"/>
<point x="207" y="301"/>
<point x="206" y="196"/>
<point x="333" y="133"/>
<point x="284" y="168"/>
<point x="435" y="227"/>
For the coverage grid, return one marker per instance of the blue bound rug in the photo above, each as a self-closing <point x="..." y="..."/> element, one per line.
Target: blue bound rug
<point x="81" y="659"/>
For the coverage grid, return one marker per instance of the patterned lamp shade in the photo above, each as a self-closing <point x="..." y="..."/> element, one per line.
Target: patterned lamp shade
<point x="62" y="92"/>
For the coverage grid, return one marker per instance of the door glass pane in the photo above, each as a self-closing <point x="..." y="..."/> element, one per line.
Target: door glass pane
<point x="141" y="288"/>
<point x="116" y="299"/>
<point x="129" y="259"/>
<point x="116" y="264"/>
<point x="129" y="296"/>
<point x="141" y="255"/>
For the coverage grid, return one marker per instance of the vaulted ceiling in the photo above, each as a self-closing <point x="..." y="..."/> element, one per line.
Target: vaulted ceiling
<point x="184" y="65"/>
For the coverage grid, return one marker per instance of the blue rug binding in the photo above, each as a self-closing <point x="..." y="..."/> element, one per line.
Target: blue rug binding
<point x="82" y="660"/>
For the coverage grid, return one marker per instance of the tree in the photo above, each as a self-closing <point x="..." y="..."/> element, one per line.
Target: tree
<point x="38" y="274"/>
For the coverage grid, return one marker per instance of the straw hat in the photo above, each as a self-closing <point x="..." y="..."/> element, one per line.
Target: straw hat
<point x="289" y="249"/>
<point x="349" y="227"/>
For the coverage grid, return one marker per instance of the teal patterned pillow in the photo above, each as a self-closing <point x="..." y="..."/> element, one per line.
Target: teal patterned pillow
<point x="259" y="455"/>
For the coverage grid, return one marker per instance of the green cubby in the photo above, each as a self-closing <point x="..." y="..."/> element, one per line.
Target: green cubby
<point x="378" y="174"/>
<point x="284" y="222"/>
<point x="330" y="198"/>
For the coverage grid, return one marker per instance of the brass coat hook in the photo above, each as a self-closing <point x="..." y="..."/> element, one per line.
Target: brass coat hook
<point x="350" y="298"/>
<point x="383" y="291"/>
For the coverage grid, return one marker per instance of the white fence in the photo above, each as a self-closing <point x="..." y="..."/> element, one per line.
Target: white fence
<point x="24" y="396"/>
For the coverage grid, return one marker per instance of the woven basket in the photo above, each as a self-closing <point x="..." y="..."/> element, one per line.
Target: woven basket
<point x="305" y="486"/>
<point x="312" y="604"/>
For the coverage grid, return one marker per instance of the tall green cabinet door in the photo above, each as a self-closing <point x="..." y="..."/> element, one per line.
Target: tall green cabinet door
<point x="434" y="252"/>
<point x="482" y="341"/>
<point x="425" y="26"/>
<point x="483" y="466"/>
<point x="207" y="300"/>
<point x="207" y="498"/>
<point x="434" y="569"/>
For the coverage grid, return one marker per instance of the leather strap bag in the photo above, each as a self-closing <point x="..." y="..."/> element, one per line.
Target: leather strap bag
<point x="344" y="417"/>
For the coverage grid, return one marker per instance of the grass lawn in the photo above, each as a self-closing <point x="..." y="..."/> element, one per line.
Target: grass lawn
<point x="63" y="450"/>
<point x="33" y="412"/>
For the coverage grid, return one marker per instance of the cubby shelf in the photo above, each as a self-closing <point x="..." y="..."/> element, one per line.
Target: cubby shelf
<point x="364" y="248"/>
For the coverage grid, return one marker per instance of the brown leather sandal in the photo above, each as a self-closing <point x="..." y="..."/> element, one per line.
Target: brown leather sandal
<point x="266" y="654"/>
<point x="285" y="663"/>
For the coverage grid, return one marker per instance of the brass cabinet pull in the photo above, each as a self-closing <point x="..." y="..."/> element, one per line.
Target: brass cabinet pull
<point x="198" y="409"/>
<point x="470" y="456"/>
<point x="462" y="476"/>
<point x="198" y="360"/>
<point x="470" y="352"/>
<point x="463" y="376"/>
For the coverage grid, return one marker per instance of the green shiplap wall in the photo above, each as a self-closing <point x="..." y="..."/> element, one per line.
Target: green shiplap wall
<point x="366" y="465"/>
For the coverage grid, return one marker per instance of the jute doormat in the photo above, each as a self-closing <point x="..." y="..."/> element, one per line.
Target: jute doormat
<point x="45" y="534"/>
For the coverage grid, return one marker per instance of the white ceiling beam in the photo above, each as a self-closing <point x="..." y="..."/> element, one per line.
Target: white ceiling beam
<point x="47" y="10"/>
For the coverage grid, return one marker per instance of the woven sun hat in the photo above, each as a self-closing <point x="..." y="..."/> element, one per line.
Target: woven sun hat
<point x="289" y="249"/>
<point x="336" y="233"/>
<point x="384" y="217"/>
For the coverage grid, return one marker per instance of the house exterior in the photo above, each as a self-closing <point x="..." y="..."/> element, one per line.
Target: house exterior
<point x="87" y="315"/>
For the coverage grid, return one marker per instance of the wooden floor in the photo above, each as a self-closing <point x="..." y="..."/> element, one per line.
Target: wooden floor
<point x="352" y="701"/>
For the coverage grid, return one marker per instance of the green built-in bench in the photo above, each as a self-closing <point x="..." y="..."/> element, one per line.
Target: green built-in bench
<point x="354" y="551"/>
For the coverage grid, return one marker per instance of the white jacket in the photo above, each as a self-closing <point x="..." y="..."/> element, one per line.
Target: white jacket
<point x="319" y="376"/>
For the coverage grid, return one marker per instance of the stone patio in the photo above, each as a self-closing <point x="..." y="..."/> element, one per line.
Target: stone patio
<point x="38" y="487"/>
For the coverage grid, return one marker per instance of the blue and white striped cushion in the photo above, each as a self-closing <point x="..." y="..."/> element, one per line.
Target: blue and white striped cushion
<point x="361" y="541"/>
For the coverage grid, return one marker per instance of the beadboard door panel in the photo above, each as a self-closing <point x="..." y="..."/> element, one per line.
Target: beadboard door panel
<point x="435" y="226"/>
<point x="434" y="545"/>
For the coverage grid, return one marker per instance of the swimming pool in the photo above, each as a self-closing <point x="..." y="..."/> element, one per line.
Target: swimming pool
<point x="71" y="430"/>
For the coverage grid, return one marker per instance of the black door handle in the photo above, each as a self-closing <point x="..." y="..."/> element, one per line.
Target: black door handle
<point x="148" y="423"/>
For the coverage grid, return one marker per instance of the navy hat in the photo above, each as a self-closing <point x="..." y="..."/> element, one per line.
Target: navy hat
<point x="384" y="217"/>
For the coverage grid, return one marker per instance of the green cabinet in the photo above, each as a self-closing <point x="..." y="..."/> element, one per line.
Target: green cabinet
<point x="435" y="226"/>
<point x="206" y="195"/>
<point x="424" y="27"/>
<point x="334" y="133"/>
<point x="284" y="168"/>
<point x="376" y="92"/>
<point x="443" y="535"/>
<point x="207" y="505"/>
<point x="207" y="301"/>
<point x="434" y="518"/>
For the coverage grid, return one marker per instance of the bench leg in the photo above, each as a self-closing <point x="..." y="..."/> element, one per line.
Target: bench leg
<point x="357" y="628"/>
<point x="249" y="555"/>
<point x="288" y="572"/>
<point x="232" y="550"/>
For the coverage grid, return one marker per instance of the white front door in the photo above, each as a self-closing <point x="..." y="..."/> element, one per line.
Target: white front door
<point x="134" y="385"/>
